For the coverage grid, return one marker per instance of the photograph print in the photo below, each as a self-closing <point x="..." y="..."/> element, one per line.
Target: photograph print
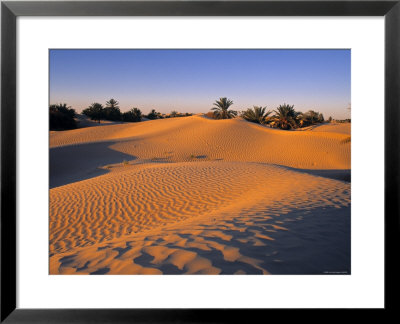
<point x="200" y="161"/>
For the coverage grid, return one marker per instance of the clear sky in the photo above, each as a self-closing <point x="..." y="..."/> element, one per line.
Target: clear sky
<point x="191" y="80"/>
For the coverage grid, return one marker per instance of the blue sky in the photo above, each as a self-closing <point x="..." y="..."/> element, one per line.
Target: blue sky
<point x="191" y="80"/>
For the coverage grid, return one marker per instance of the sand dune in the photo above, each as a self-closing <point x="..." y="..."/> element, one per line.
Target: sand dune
<point x="198" y="196"/>
<point x="192" y="139"/>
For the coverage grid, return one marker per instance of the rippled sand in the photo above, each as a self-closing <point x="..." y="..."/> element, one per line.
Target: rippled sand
<point x="193" y="195"/>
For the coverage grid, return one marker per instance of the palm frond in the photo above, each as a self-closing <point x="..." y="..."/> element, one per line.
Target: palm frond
<point x="221" y="108"/>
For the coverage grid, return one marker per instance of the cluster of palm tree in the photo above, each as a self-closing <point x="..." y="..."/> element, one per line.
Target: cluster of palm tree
<point x="175" y="114"/>
<point x="96" y="111"/>
<point x="283" y="117"/>
<point x="111" y="111"/>
<point x="61" y="117"/>
<point x="133" y="115"/>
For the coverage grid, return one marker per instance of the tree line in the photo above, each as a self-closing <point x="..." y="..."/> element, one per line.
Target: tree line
<point x="283" y="117"/>
<point x="63" y="117"/>
<point x="111" y="111"/>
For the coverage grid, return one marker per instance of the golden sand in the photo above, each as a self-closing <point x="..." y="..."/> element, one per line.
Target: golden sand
<point x="194" y="195"/>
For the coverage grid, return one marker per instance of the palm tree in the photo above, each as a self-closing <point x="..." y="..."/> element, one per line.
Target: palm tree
<point x="285" y="117"/>
<point x="112" y="103"/>
<point x="257" y="114"/>
<point x="95" y="111"/>
<point x="133" y="115"/>
<point x="111" y="111"/>
<point x="221" y="109"/>
<point x="136" y="113"/>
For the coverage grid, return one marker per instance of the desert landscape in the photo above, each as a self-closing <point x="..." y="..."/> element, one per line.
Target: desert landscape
<point x="200" y="161"/>
<point x="197" y="195"/>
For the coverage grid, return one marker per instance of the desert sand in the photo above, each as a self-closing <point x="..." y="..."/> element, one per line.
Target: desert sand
<point x="193" y="195"/>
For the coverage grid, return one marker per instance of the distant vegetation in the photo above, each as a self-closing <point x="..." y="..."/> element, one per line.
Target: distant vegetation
<point x="348" y="120"/>
<point x="133" y="115"/>
<point x="152" y="115"/>
<point x="283" y="117"/>
<point x="175" y="114"/>
<point x="112" y="112"/>
<point x="62" y="117"/>
<point x="309" y="118"/>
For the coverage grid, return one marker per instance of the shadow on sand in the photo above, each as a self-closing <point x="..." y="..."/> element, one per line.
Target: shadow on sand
<point x="80" y="162"/>
<point x="341" y="175"/>
<point x="308" y="241"/>
<point x="316" y="241"/>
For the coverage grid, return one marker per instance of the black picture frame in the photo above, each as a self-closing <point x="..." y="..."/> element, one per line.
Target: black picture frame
<point x="10" y="10"/>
